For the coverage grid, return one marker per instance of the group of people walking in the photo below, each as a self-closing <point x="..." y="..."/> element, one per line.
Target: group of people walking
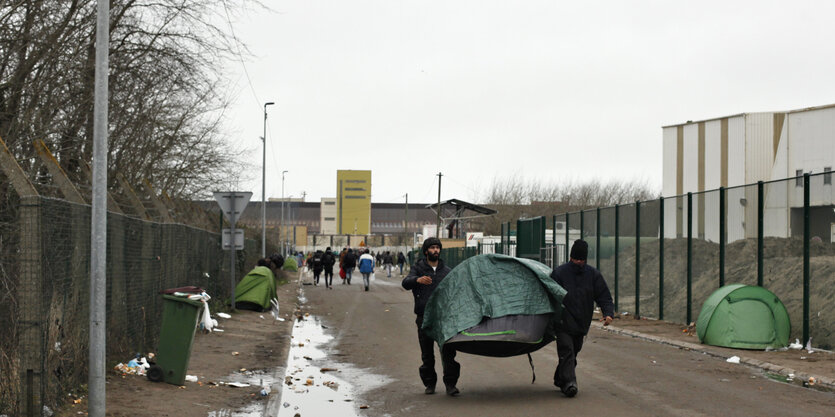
<point x="320" y="262"/>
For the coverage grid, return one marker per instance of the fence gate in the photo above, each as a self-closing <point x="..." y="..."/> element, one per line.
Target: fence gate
<point x="530" y="238"/>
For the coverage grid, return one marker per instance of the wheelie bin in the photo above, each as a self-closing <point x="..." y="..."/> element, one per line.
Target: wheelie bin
<point x="179" y="321"/>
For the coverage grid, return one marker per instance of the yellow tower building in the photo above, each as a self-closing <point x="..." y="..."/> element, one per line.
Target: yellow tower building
<point x="353" y="202"/>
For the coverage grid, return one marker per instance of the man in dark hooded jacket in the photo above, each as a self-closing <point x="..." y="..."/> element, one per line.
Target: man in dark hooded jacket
<point x="585" y="286"/>
<point x="422" y="280"/>
<point x="328" y="259"/>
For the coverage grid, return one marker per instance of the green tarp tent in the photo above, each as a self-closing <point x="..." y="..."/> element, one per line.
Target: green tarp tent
<point x="290" y="264"/>
<point x="255" y="290"/>
<point x="745" y="317"/>
<point x="495" y="305"/>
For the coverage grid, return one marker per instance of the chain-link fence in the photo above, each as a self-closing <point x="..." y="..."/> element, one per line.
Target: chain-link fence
<point x="45" y="291"/>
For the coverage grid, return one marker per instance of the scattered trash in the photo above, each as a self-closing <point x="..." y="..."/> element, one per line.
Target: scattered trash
<point x="308" y="358"/>
<point x="238" y="384"/>
<point x="790" y="378"/>
<point x="363" y="407"/>
<point x="812" y="380"/>
<point x="264" y="392"/>
<point x="286" y="404"/>
<point x="47" y="412"/>
<point x="191" y="378"/>
<point x="224" y="315"/>
<point x="262" y="316"/>
<point x="796" y="344"/>
<point x="733" y="359"/>
<point x="323" y="370"/>
<point x="809" y="345"/>
<point x="309" y="382"/>
<point x="236" y="353"/>
<point x="724" y="380"/>
<point x="802" y="357"/>
<point x="219" y="330"/>
<point x="332" y="385"/>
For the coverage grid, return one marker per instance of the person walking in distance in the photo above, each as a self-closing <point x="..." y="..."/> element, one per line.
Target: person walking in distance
<point x="423" y="278"/>
<point x="366" y="265"/>
<point x="387" y="261"/>
<point x="585" y="286"/>
<point x="401" y="260"/>
<point x="328" y="260"/>
<point x="316" y="264"/>
<point x="349" y="262"/>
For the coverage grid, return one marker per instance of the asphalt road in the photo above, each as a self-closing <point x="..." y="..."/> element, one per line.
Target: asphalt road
<point x="617" y="375"/>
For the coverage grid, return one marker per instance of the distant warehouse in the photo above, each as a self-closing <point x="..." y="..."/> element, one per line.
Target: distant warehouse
<point x="742" y="149"/>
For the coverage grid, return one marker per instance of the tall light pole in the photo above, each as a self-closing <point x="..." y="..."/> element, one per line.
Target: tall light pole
<point x="263" y="185"/>
<point x="283" y="249"/>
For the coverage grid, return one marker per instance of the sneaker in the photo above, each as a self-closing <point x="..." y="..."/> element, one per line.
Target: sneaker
<point x="452" y="391"/>
<point x="429" y="390"/>
<point x="570" y="390"/>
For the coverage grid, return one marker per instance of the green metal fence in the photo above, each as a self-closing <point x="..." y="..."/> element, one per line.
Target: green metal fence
<point x="662" y="258"/>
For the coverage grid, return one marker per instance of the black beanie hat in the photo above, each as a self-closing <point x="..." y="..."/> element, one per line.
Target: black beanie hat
<point x="429" y="242"/>
<point x="580" y="250"/>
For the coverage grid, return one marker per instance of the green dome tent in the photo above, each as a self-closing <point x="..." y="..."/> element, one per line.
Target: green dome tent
<point x="744" y="317"/>
<point x="255" y="290"/>
<point x="290" y="264"/>
<point x="495" y="305"/>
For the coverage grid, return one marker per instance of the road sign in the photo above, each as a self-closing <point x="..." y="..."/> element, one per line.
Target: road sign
<point x="232" y="203"/>
<point x="239" y="239"/>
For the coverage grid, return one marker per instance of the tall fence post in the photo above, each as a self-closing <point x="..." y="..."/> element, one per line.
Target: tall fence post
<point x="806" y="236"/>
<point x="567" y="228"/>
<point x="582" y="224"/>
<point x="617" y="251"/>
<point x="722" y="234"/>
<point x="661" y="258"/>
<point x="554" y="262"/>
<point x="760" y="209"/>
<point x="689" y="257"/>
<point x="597" y="239"/>
<point x="637" y="259"/>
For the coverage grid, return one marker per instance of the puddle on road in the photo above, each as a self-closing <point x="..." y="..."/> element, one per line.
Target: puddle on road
<point x="311" y="384"/>
<point x="316" y="385"/>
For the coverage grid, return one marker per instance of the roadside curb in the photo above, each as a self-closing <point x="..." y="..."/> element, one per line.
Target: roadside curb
<point x="821" y="382"/>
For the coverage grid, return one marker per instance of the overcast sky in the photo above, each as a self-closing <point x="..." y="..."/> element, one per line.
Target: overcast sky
<point x="478" y="90"/>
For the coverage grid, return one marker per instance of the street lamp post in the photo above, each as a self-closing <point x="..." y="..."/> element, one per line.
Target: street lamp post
<point x="263" y="185"/>
<point x="280" y="229"/>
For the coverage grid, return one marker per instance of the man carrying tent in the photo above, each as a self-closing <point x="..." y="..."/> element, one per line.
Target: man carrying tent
<point x="585" y="286"/>
<point x="424" y="277"/>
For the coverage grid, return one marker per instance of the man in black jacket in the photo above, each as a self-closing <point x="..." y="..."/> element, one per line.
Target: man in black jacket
<point x="349" y="262"/>
<point x="422" y="280"/>
<point x="328" y="259"/>
<point x="585" y="286"/>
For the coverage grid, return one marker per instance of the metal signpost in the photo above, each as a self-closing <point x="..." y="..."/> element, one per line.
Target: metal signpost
<point x="232" y="204"/>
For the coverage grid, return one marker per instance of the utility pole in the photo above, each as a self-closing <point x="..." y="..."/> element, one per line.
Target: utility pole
<point x="98" y="244"/>
<point x="263" y="185"/>
<point x="406" y="216"/>
<point x="439" y="205"/>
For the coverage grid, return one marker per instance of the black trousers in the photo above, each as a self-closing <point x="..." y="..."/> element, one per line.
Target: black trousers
<point x="452" y="369"/>
<point x="316" y="276"/>
<point x="328" y="277"/>
<point x="568" y="346"/>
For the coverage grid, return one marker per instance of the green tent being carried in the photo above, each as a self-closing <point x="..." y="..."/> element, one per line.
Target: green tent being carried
<point x="255" y="290"/>
<point x="495" y="305"/>
<point x="745" y="317"/>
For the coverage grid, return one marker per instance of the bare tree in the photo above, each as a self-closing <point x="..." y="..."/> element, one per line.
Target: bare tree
<point x="515" y="197"/>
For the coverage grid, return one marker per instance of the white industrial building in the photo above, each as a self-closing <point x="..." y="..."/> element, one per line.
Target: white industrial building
<point x="742" y="149"/>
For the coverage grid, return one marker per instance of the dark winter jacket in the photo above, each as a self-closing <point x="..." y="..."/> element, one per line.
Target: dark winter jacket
<point x="317" y="261"/>
<point x="328" y="259"/>
<point x="400" y="258"/>
<point x="422" y="292"/>
<point x="350" y="260"/>
<point x="585" y="286"/>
